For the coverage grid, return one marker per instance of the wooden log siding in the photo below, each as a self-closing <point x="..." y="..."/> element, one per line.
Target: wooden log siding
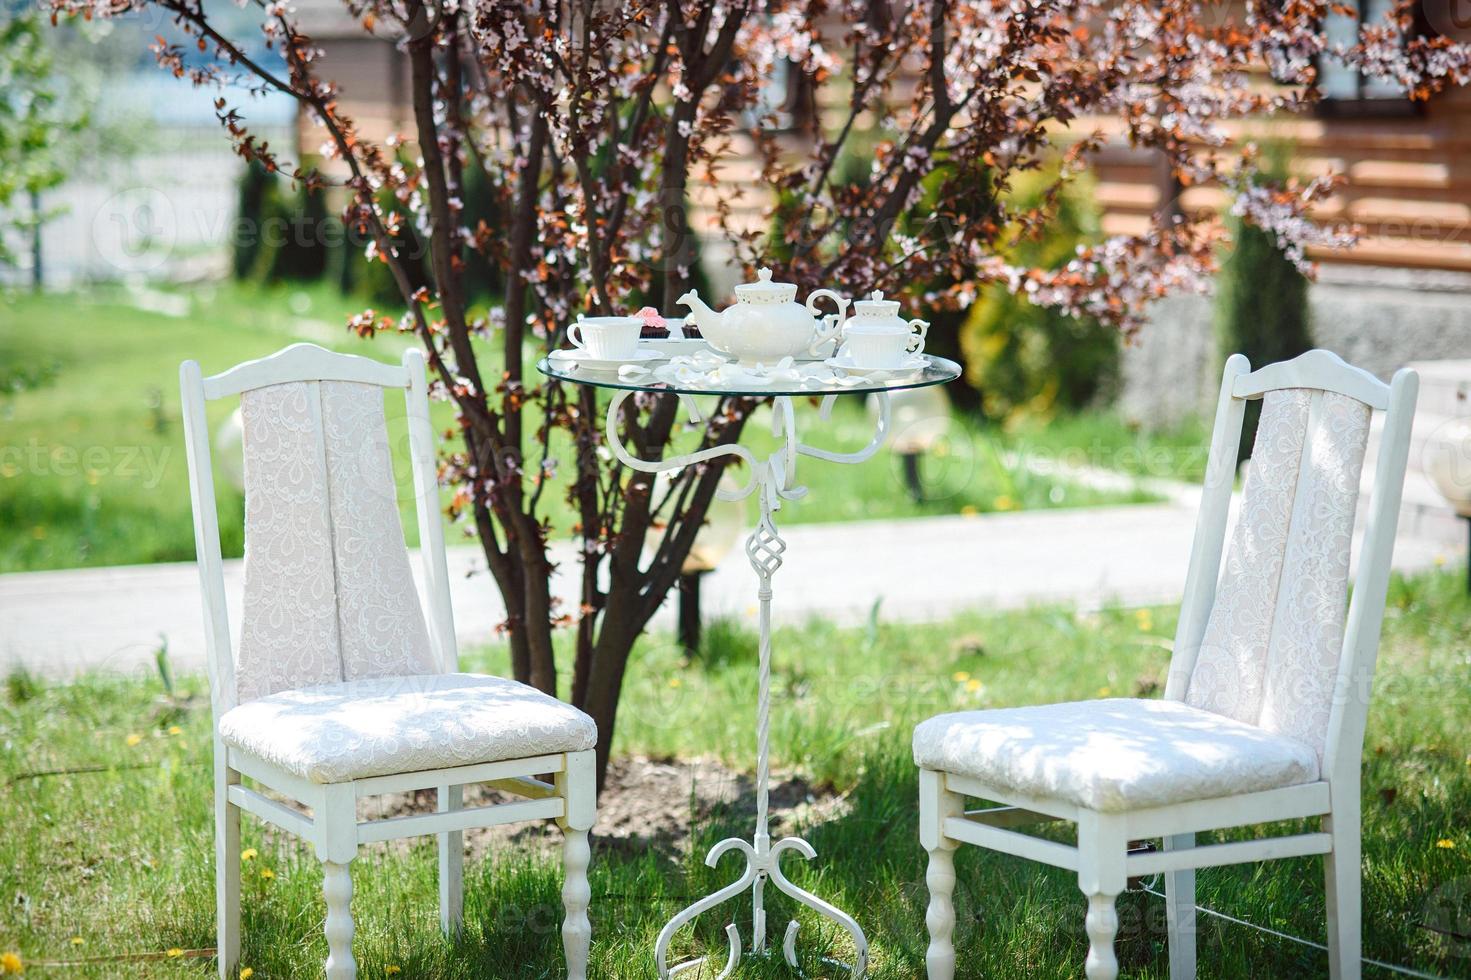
<point x="1409" y="176"/>
<point x="1409" y="181"/>
<point x="1409" y="184"/>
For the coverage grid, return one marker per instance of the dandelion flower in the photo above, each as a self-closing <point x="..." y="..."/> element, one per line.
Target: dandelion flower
<point x="133" y="739"/>
<point x="77" y="940"/>
<point x="267" y="873"/>
<point x="249" y="854"/>
<point x="968" y="510"/>
<point x="393" y="969"/>
<point x="974" y="686"/>
<point x="1144" y="619"/>
<point x="174" y="953"/>
<point x="10" y="963"/>
<point x="175" y="730"/>
<point x="1446" y="844"/>
<point x="1105" y="691"/>
<point x="1004" y="502"/>
<point x="675" y="682"/>
<point x="960" y="677"/>
<point x="246" y="973"/>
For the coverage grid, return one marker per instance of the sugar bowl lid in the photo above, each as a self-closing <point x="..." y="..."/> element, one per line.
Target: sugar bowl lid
<point x="876" y="315"/>
<point x="876" y="305"/>
<point x="763" y="290"/>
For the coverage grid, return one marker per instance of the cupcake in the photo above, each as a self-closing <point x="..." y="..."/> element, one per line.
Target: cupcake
<point x="655" y="327"/>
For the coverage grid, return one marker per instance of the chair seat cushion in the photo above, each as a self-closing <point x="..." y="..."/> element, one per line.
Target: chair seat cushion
<point x="1113" y="755"/>
<point x="333" y="733"/>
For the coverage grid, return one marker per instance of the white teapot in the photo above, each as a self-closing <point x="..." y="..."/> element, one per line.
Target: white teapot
<point x="767" y="323"/>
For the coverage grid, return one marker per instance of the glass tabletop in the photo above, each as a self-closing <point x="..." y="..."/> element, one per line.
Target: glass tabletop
<point x="796" y="381"/>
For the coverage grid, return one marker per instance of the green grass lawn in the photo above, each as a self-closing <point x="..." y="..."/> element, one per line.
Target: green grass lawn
<point x="92" y="468"/>
<point x="1100" y="439"/>
<point x="117" y="861"/>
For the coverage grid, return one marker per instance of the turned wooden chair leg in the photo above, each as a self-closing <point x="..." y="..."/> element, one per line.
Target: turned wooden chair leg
<point x="578" y="785"/>
<point x="337" y="847"/>
<point x="1180" y="912"/>
<point x="451" y="864"/>
<point x="1343" y="881"/>
<point x="1102" y="844"/>
<point x="337" y="888"/>
<point x="227" y="869"/>
<point x="936" y="805"/>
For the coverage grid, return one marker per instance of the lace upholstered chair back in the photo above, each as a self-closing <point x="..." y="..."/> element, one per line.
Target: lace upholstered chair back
<point x="328" y="594"/>
<point x="1267" y="637"/>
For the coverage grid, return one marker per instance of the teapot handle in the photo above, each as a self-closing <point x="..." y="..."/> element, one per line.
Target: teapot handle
<point x="831" y="327"/>
<point x="917" y="343"/>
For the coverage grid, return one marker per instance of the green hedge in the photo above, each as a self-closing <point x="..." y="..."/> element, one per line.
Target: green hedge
<point x="1027" y="360"/>
<point x="1262" y="307"/>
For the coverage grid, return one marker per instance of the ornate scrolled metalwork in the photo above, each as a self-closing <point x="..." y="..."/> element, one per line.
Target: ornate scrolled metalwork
<point x="773" y="479"/>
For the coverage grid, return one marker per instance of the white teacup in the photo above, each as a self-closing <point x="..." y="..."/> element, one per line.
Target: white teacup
<point x="607" y="338"/>
<point x="881" y="349"/>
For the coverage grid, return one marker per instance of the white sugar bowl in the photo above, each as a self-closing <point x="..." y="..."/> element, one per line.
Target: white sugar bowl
<point x="877" y="336"/>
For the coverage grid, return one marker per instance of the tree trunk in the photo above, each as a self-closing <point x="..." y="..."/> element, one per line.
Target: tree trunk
<point x="38" y="277"/>
<point x="605" y="683"/>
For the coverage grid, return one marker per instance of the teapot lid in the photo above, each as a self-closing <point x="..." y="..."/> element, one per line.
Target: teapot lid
<point x="763" y="290"/>
<point x="876" y="305"/>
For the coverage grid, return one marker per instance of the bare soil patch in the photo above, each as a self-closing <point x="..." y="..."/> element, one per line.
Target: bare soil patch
<point x="646" y="804"/>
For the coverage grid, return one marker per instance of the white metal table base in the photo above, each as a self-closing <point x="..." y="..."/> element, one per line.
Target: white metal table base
<point x="774" y="480"/>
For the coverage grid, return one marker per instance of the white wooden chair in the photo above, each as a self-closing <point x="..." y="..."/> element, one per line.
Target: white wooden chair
<point x="341" y="688"/>
<point x="1267" y="697"/>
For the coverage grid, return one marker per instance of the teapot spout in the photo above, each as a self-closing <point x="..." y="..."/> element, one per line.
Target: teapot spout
<point x="700" y="314"/>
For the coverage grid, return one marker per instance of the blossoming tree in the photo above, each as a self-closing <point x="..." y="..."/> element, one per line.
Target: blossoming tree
<point x="595" y="122"/>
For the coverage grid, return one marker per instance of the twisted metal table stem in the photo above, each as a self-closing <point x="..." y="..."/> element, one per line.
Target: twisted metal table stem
<point x="774" y="479"/>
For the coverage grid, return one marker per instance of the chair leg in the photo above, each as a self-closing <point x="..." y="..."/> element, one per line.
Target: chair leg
<point x="1101" y="848"/>
<point x="337" y="846"/>
<point x="578" y="786"/>
<point x="1343" y="881"/>
<point x="227" y="868"/>
<point x="936" y="805"/>
<point x="337" y="887"/>
<point x="1180" y="912"/>
<point x="451" y="865"/>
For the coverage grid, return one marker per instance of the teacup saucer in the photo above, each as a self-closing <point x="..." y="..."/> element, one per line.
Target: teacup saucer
<point x="909" y="365"/>
<point x="580" y="357"/>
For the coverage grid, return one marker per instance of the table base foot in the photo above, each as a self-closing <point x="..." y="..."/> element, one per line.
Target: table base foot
<point x="763" y="862"/>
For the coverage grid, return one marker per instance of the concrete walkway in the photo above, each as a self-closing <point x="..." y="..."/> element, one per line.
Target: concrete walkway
<point x="60" y="623"/>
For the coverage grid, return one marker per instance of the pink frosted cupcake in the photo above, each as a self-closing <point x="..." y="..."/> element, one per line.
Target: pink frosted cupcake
<point x="654" y="326"/>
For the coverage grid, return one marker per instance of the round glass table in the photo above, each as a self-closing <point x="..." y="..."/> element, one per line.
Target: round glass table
<point x="772" y="479"/>
<point x="803" y="378"/>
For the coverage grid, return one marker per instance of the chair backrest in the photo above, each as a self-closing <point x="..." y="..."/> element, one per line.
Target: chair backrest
<point x="328" y="591"/>
<point x="1269" y="637"/>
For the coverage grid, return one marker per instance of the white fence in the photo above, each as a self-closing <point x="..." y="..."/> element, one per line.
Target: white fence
<point x="167" y="213"/>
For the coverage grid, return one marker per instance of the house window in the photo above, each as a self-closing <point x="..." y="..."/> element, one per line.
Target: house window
<point x="1348" y="92"/>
